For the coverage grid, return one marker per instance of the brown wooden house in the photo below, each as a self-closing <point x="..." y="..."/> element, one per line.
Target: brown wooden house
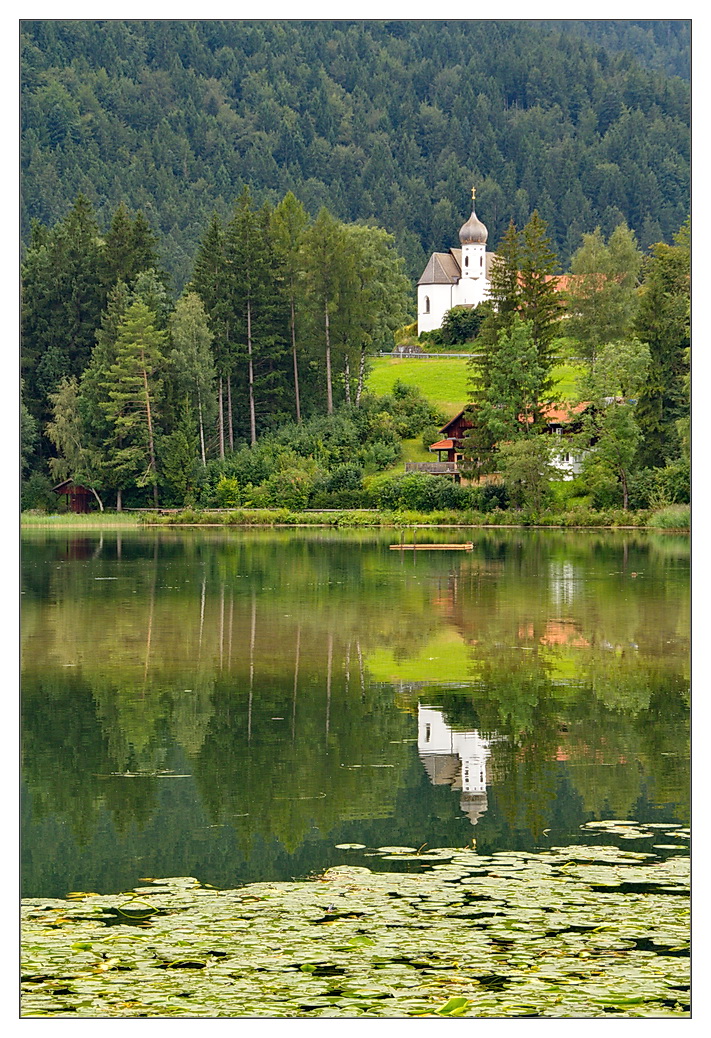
<point x="559" y="418"/>
<point x="78" y="497"/>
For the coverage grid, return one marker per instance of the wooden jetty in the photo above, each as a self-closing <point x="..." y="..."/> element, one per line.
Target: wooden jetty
<point x="468" y="546"/>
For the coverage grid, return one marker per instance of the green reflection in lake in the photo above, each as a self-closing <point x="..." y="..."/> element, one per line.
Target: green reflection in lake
<point x="233" y="704"/>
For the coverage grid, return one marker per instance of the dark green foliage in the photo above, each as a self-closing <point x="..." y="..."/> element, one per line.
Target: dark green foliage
<point x="62" y="301"/>
<point x="663" y="322"/>
<point x="36" y="494"/>
<point x="370" y="123"/>
<point x="654" y="488"/>
<point x="129" y="248"/>
<point x="418" y="491"/>
<point x="539" y="302"/>
<point x="461" y="324"/>
<point x="178" y="453"/>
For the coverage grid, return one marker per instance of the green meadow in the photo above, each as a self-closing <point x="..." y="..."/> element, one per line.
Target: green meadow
<point x="445" y="381"/>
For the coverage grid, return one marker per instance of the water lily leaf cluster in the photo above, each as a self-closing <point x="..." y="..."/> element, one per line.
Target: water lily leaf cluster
<point x="577" y="931"/>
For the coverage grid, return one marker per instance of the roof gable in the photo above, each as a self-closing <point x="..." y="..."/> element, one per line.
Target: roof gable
<point x="442" y="269"/>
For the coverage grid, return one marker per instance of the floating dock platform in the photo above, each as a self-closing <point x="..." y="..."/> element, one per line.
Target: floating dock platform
<point x="432" y="547"/>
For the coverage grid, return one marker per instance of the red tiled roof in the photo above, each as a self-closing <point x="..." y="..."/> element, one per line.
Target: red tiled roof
<point x="443" y="445"/>
<point x="563" y="412"/>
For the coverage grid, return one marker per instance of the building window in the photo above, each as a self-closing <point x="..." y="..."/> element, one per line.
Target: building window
<point x="428" y="731"/>
<point x="466" y="261"/>
<point x="427" y="304"/>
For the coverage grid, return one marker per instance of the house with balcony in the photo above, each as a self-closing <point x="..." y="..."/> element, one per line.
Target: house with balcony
<point x="562" y="420"/>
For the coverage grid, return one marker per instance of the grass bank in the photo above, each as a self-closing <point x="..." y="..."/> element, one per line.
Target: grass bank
<point x="577" y="519"/>
<point x="674" y="517"/>
<point x="90" y="521"/>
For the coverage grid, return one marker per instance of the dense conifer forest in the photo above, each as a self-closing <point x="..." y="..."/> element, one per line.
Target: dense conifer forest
<point x="384" y="121"/>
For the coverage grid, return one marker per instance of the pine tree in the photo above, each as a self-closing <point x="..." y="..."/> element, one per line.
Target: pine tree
<point x="254" y="298"/>
<point x="509" y="400"/>
<point x="130" y="246"/>
<point x="132" y="387"/>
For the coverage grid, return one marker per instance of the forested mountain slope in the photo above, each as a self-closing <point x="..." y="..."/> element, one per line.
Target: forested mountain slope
<point x="662" y="45"/>
<point x="391" y="121"/>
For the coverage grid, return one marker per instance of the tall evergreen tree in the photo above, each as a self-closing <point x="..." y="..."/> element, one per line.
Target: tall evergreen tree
<point x="210" y="282"/>
<point x="539" y="301"/>
<point x="289" y="222"/>
<point x="252" y="292"/>
<point x="132" y="388"/>
<point x="62" y="301"/>
<point x="508" y="403"/>
<point x="663" y="322"/>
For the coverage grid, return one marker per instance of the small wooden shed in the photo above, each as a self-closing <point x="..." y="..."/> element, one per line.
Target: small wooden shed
<point x="78" y="496"/>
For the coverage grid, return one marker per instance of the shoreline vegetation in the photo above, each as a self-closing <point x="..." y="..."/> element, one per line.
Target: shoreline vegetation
<point x="673" y="518"/>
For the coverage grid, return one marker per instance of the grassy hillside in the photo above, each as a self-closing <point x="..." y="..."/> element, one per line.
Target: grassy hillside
<point x="445" y="382"/>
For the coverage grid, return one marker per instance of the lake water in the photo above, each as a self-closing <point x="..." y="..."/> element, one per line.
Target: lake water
<point x="232" y="705"/>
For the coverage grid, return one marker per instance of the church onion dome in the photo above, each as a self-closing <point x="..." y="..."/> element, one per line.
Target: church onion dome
<point x="473" y="232"/>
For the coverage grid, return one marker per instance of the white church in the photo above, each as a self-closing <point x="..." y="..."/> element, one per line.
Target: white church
<point x="456" y="759"/>
<point x="455" y="278"/>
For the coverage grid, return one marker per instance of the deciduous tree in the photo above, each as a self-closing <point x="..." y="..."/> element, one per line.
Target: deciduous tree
<point x="190" y="360"/>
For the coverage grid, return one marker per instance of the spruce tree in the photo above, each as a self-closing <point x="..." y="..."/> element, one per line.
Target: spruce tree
<point x="62" y="301"/>
<point x="209" y="281"/>
<point x="663" y="322"/>
<point x="289" y="222"/>
<point x="539" y="301"/>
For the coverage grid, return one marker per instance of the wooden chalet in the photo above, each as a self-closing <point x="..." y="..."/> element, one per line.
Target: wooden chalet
<point x="78" y="497"/>
<point x="559" y="418"/>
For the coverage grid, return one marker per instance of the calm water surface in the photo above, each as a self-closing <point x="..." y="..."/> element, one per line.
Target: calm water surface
<point x="231" y="705"/>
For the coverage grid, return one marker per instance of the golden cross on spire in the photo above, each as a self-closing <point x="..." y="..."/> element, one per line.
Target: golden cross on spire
<point x="473" y="193"/>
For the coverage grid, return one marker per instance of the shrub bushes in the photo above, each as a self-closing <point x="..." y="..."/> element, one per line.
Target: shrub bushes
<point x="673" y="517"/>
<point x="655" y="488"/>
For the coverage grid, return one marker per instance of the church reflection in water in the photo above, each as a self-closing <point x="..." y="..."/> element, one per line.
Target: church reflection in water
<point x="456" y="759"/>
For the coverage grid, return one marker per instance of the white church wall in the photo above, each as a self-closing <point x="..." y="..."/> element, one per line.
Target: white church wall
<point x="433" y="302"/>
